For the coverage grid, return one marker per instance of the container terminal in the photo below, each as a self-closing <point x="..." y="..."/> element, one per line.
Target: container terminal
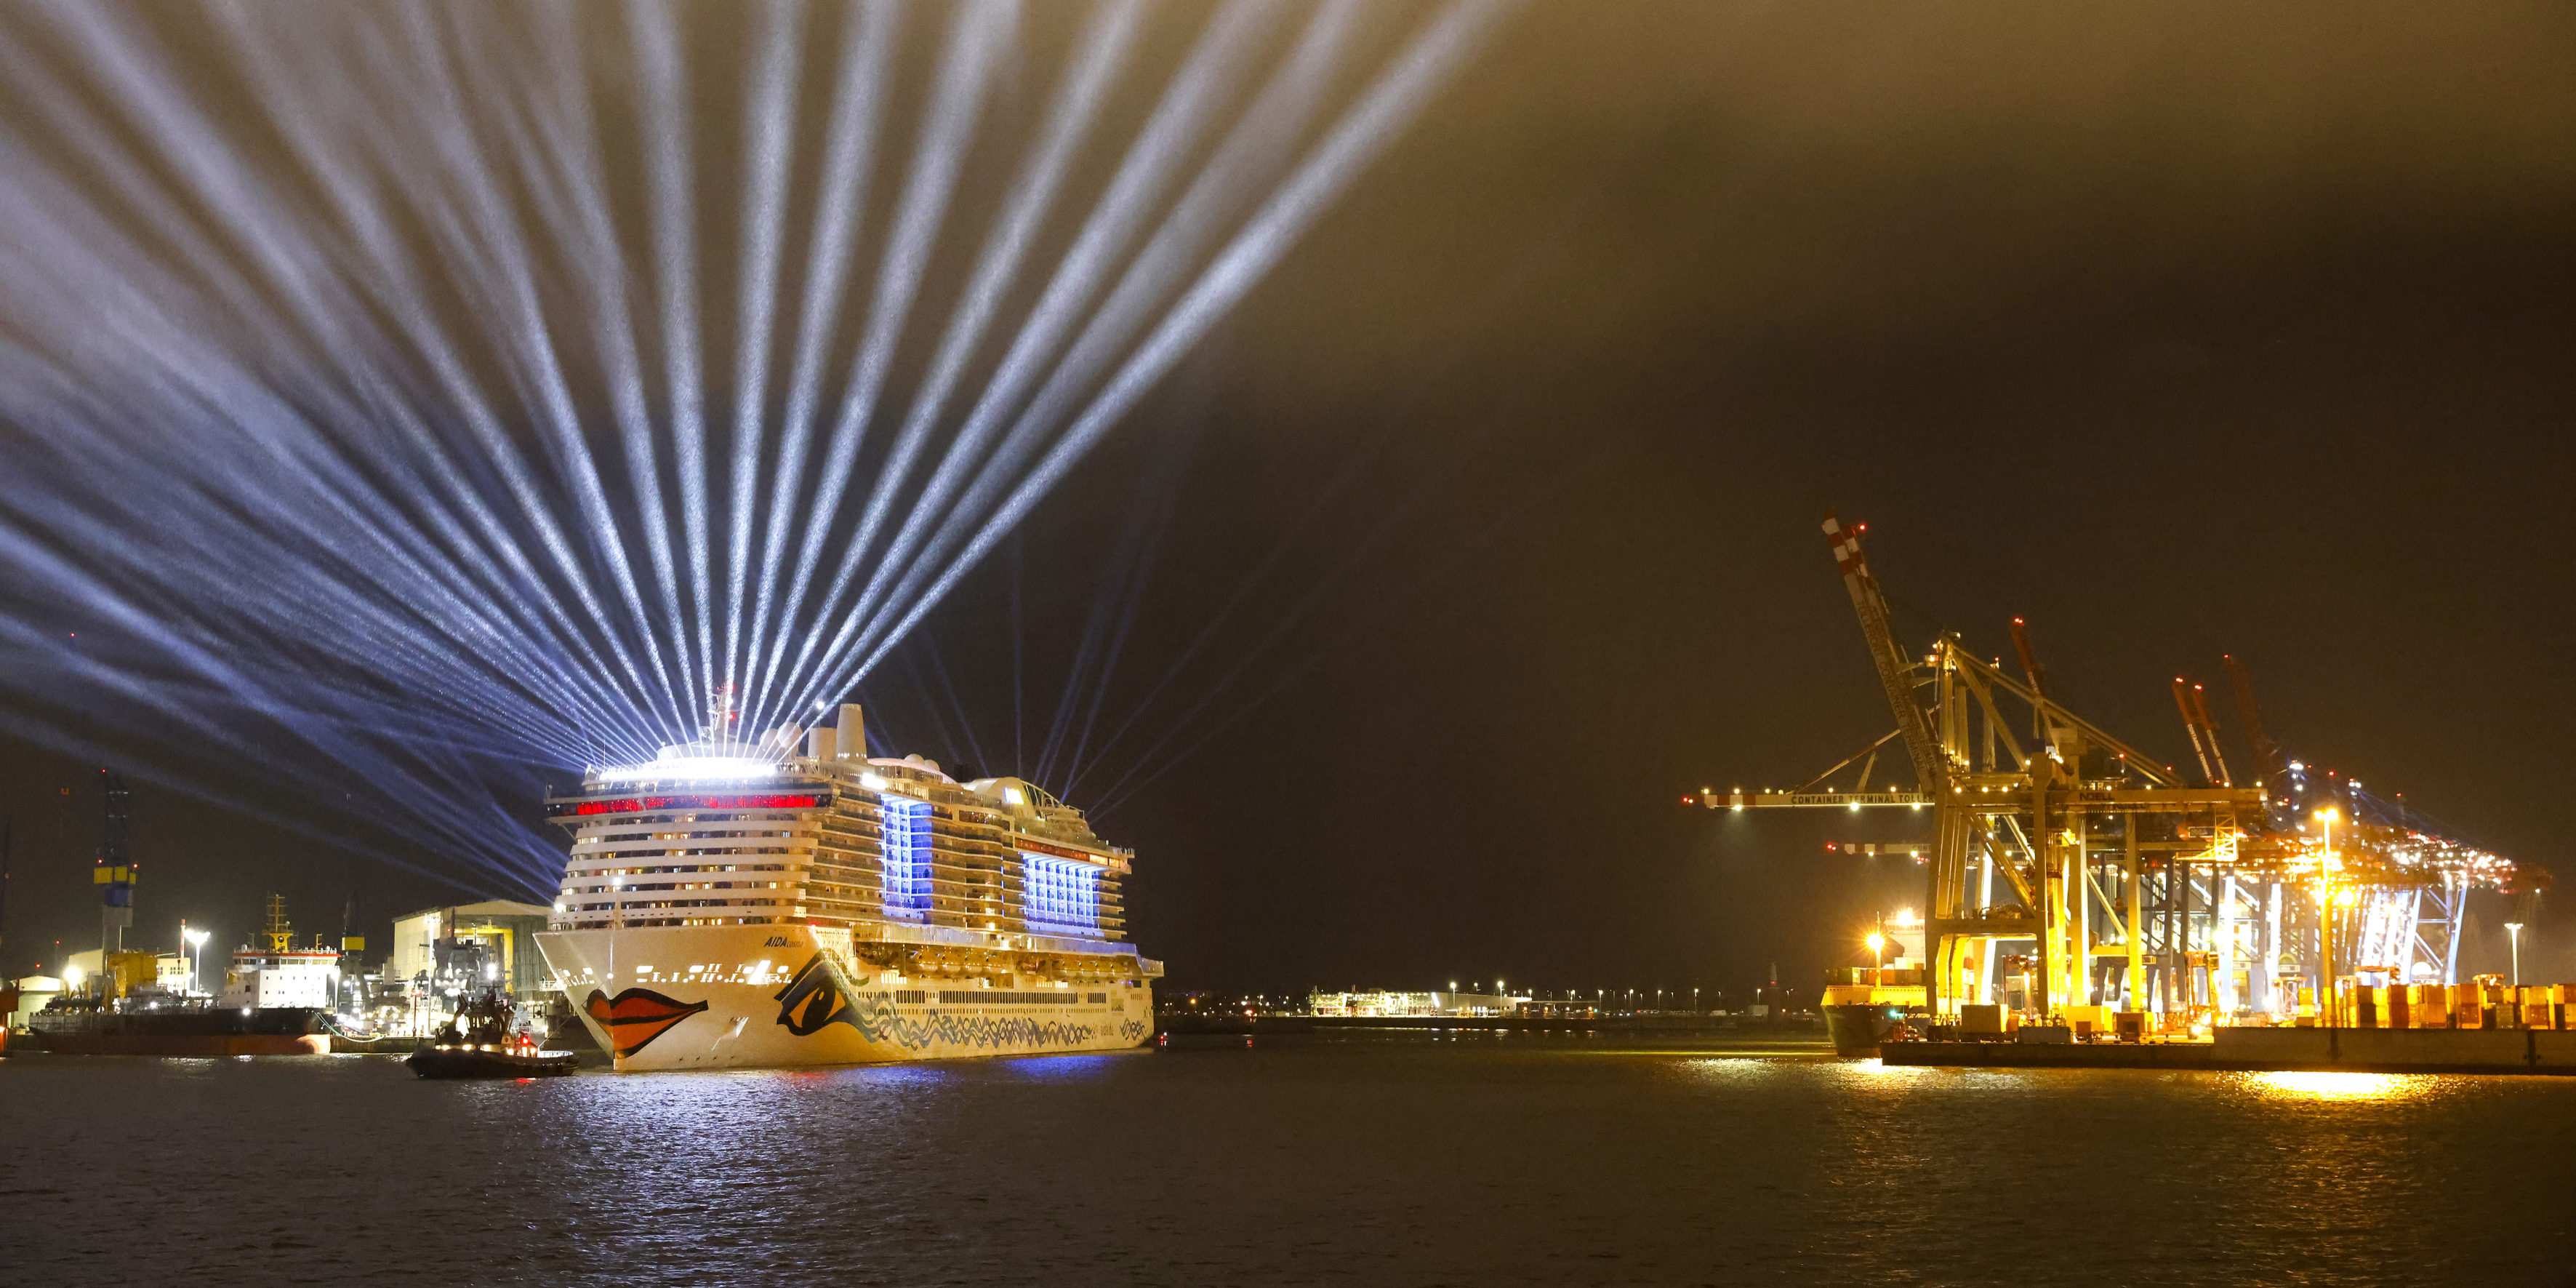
<point x="2088" y="904"/>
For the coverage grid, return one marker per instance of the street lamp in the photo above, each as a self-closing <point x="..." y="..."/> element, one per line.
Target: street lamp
<point x="196" y="954"/>
<point x="2513" y="929"/>
<point x="1877" y="943"/>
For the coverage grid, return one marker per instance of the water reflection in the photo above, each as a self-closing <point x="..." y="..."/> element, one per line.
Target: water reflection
<point x="1358" y="1163"/>
<point x="1727" y="1068"/>
<point x="886" y="1075"/>
<point x="1067" y="1068"/>
<point x="2335" y="1085"/>
<point x="1877" y="1071"/>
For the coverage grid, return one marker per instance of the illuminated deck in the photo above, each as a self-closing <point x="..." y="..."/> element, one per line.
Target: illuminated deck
<point x="722" y="834"/>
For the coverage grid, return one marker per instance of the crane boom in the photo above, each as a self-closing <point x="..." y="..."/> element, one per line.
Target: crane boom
<point x="2191" y="729"/>
<point x="2270" y="762"/>
<point x="1895" y="669"/>
<point x="2209" y="730"/>
<point x="2038" y="681"/>
<point x="2029" y="660"/>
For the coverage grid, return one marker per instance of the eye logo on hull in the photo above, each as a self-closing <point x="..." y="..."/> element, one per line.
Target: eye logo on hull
<point x="637" y="1016"/>
<point x="813" y="999"/>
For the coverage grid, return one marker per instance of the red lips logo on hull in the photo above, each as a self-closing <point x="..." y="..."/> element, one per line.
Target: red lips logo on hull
<point x="637" y="1016"/>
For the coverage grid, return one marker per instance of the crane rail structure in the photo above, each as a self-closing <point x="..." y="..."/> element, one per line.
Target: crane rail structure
<point x="2070" y="873"/>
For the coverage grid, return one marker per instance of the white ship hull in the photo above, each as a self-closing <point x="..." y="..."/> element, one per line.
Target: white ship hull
<point x="788" y="996"/>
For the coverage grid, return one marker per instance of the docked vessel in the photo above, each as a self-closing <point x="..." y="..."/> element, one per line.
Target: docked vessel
<point x="1867" y="1005"/>
<point x="87" y="1026"/>
<point x="275" y="1001"/>
<point x="1864" y="1008"/>
<point x="733" y="904"/>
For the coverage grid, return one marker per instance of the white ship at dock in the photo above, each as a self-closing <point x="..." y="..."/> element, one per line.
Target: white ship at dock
<point x="734" y="905"/>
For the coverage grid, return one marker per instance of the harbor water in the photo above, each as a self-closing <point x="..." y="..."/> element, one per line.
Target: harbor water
<point x="1348" y="1158"/>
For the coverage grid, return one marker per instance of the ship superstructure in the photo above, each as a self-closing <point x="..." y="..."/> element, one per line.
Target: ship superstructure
<point x="280" y="974"/>
<point x="735" y="904"/>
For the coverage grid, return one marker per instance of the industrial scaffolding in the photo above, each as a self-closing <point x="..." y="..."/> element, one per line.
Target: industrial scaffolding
<point x="2070" y="875"/>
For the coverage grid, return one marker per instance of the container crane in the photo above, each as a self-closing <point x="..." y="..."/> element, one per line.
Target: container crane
<point x="2114" y="884"/>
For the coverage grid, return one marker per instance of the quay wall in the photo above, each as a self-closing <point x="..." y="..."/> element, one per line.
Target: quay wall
<point x="2547" y="1051"/>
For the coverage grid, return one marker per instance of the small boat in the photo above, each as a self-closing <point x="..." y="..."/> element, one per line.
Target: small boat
<point x="479" y="1041"/>
<point x="487" y="1061"/>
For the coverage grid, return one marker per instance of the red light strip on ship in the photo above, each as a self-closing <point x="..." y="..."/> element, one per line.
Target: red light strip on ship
<point x="637" y="804"/>
<point x="1027" y="846"/>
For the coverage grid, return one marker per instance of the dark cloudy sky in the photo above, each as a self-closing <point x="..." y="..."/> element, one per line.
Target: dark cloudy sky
<point x="2178" y="330"/>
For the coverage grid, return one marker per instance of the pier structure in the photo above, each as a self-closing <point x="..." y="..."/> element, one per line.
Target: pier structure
<point x="2075" y="880"/>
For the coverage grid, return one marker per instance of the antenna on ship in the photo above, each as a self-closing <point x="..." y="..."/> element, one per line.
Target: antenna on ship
<point x="721" y="715"/>
<point x="281" y="936"/>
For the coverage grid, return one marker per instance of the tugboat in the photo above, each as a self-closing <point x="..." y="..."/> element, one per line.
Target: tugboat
<point x="480" y="1041"/>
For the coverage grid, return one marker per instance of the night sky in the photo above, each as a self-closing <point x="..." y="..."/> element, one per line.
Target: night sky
<point x="1487" y="526"/>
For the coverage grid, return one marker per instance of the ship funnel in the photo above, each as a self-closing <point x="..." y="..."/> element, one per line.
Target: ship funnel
<point x="851" y="736"/>
<point x="819" y="742"/>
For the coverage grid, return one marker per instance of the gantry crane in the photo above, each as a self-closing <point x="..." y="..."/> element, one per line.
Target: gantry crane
<point x="2072" y="876"/>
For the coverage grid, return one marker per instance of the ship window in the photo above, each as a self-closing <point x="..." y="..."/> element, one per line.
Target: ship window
<point x="1062" y="896"/>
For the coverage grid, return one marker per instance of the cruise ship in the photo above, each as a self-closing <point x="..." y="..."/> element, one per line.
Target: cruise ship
<point x="736" y="904"/>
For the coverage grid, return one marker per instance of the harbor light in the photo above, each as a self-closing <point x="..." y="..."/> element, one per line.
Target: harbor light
<point x="196" y="940"/>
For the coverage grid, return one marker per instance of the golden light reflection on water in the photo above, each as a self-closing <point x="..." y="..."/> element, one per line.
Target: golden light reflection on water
<point x="2324" y="1085"/>
<point x="1875" y="1070"/>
